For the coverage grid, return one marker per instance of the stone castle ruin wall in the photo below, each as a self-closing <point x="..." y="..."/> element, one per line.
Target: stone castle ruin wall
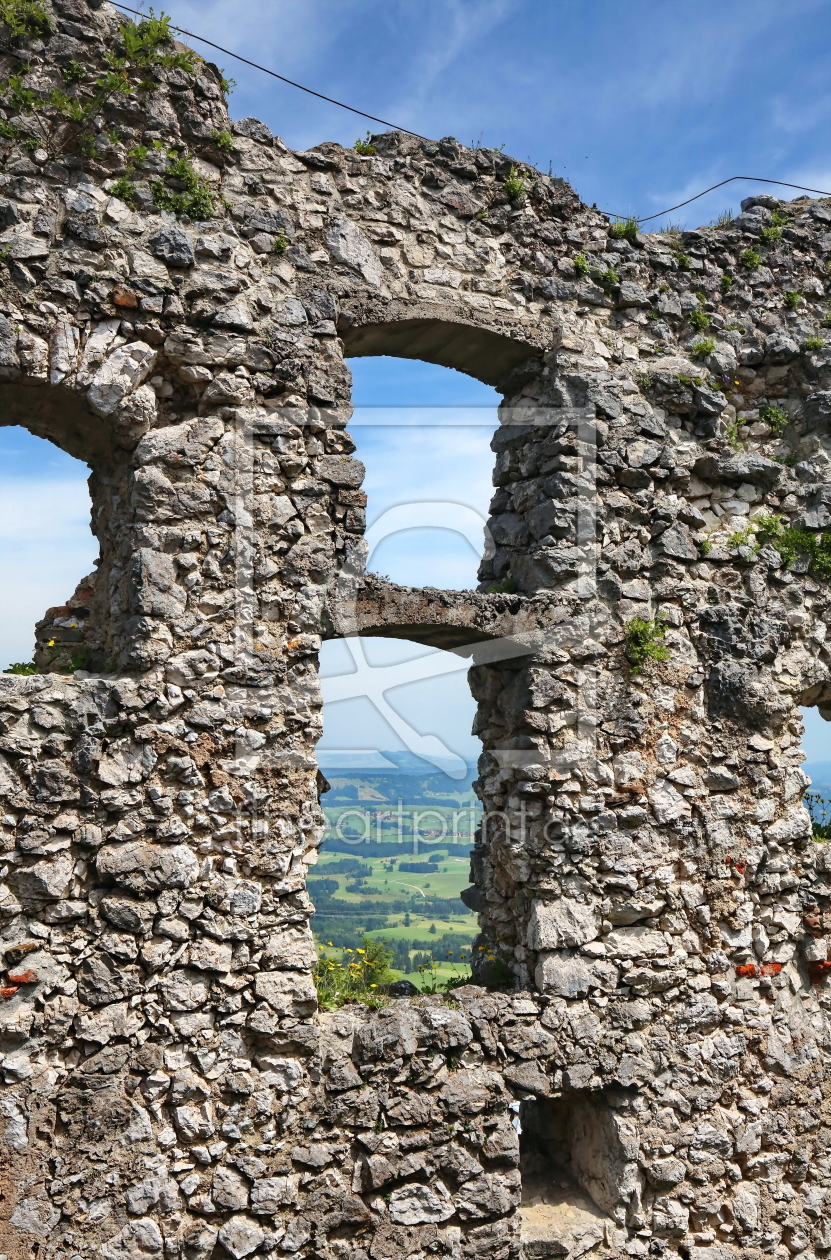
<point x="651" y="999"/>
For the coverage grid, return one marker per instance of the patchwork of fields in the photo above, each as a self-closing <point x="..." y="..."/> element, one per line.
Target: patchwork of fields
<point x="392" y="866"/>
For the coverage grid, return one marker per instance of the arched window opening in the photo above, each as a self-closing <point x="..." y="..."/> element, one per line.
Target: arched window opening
<point x="47" y="553"/>
<point x="397" y="749"/>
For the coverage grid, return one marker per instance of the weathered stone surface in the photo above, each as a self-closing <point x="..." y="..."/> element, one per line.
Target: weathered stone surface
<point x="654" y="911"/>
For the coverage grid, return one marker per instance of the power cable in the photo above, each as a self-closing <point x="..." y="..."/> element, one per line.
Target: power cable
<point x="275" y="75"/>
<point x="753" y="178"/>
<point x="372" y="117"/>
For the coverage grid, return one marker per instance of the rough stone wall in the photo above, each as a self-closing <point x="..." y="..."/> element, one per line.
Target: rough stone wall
<point x="646" y="876"/>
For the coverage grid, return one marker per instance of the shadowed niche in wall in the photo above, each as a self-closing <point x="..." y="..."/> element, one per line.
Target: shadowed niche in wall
<point x="580" y="1178"/>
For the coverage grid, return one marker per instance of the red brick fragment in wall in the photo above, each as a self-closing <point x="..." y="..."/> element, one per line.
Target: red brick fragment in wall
<point x="22" y="977"/>
<point x="8" y="993"/>
<point x="124" y="297"/>
<point x="746" y="969"/>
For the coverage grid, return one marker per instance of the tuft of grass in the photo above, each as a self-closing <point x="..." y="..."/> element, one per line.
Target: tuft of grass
<point x="506" y="587"/>
<point x="700" y="320"/>
<point x="722" y="220"/>
<point x="814" y="343"/>
<point x="515" y="186"/>
<point x="727" y="283"/>
<point x="625" y="230"/>
<point x="703" y="347"/>
<point x="750" y="259"/>
<point x="609" y="277"/>
<point x="673" y="230"/>
<point x="792" y="299"/>
<point x="683" y="261"/>
<point x="22" y="667"/>
<point x="770" y="235"/>
<point x="643" y="642"/>
<point x="775" y="417"/>
<point x="581" y="264"/>
<point x="365" y="148"/>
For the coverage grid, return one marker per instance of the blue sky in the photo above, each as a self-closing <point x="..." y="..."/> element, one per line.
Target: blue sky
<point x="638" y="105"/>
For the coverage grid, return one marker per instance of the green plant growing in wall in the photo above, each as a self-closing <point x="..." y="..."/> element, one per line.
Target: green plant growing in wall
<point x="73" y="72"/>
<point x="625" y="230"/>
<point x="792" y="544"/>
<point x="280" y="245"/>
<point x="365" y="148"/>
<point x="644" y="642"/>
<point x="25" y="17"/>
<point x="581" y="264"/>
<point x="741" y="537"/>
<point x="22" y="667"/>
<point x="703" y="347"/>
<point x="223" y="140"/>
<point x="358" y="978"/>
<point x="750" y="259"/>
<point x="190" y="194"/>
<point x="770" y="235"/>
<point x="683" y="261"/>
<point x="124" y="189"/>
<point x="814" y="343"/>
<point x="62" y="121"/>
<point x="515" y="186"/>
<point x="609" y="277"/>
<point x="699" y="319"/>
<point x="722" y="220"/>
<point x="792" y="299"/>
<point x="732" y="435"/>
<point x="776" y="419"/>
<point x="727" y="283"/>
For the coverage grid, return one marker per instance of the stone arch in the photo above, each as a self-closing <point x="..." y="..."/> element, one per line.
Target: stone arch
<point x="489" y="355"/>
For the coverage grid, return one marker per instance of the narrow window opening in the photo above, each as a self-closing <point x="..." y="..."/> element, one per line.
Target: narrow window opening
<point x="46" y="552"/>
<point x="397" y="749"/>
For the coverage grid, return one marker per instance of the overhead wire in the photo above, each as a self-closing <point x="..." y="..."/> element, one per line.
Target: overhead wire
<point x="396" y="127"/>
<point x="756" y="179"/>
<point x="181" y="30"/>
